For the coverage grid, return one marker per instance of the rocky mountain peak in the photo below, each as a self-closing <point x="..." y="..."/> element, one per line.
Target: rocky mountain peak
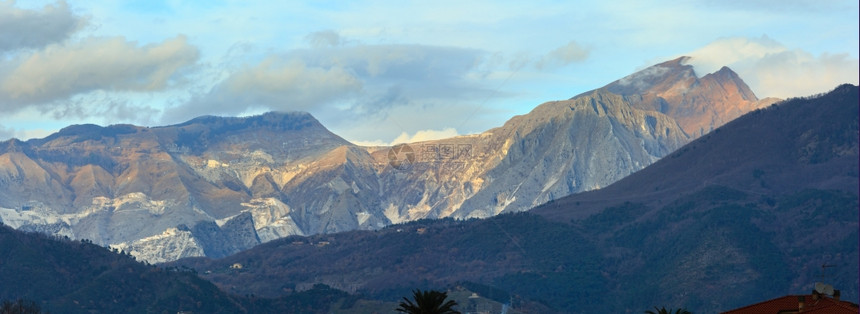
<point x="698" y="104"/>
<point x="732" y="83"/>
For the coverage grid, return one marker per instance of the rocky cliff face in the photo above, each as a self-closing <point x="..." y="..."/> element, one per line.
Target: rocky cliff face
<point x="213" y="186"/>
<point x="557" y="149"/>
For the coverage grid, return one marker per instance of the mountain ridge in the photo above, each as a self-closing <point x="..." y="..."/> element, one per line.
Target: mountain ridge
<point x="126" y="186"/>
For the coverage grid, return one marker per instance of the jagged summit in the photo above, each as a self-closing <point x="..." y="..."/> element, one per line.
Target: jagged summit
<point x="698" y="104"/>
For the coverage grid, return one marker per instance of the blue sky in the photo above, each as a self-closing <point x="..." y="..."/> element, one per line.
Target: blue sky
<point x="389" y="71"/>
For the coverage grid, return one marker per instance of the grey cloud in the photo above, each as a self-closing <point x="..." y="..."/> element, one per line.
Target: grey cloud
<point x="105" y="107"/>
<point x="343" y="82"/>
<point x="274" y="84"/>
<point x="23" y="29"/>
<point x="377" y="104"/>
<point x="322" y="39"/>
<point x="398" y="75"/>
<point x="519" y="61"/>
<point x="395" y="62"/>
<point x="109" y="64"/>
<point x="564" y="55"/>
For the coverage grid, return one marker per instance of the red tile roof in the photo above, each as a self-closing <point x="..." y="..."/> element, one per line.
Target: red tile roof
<point x="790" y="303"/>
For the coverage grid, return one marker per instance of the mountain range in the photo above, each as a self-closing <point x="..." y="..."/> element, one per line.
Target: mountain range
<point x="708" y="221"/>
<point x="746" y="213"/>
<point x="214" y="186"/>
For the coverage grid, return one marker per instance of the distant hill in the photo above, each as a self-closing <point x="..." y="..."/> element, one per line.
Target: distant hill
<point x="70" y="276"/>
<point x="65" y="276"/>
<point x="749" y="211"/>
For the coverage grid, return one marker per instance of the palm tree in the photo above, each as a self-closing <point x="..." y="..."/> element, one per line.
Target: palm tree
<point x="428" y="302"/>
<point x="663" y="310"/>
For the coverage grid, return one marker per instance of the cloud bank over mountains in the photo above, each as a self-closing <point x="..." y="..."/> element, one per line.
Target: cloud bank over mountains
<point x="373" y="72"/>
<point x="773" y="70"/>
<point x="60" y="71"/>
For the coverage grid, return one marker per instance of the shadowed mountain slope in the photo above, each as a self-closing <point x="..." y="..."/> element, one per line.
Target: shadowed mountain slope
<point x="67" y="276"/>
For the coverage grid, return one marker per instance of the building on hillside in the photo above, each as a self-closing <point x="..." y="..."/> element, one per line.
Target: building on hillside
<point x="815" y="303"/>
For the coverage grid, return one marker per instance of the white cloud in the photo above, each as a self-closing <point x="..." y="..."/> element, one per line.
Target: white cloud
<point x="425" y="135"/>
<point x="773" y="70"/>
<point x="564" y="55"/>
<point x="641" y="80"/>
<point x="737" y="50"/>
<point x="22" y="29"/>
<point x="370" y="143"/>
<point x="110" y="64"/>
<point x="418" y="136"/>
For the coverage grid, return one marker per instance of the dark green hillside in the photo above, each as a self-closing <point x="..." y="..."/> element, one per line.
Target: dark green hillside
<point x="706" y="254"/>
<point x="70" y="276"/>
<point x="524" y="254"/>
<point x="698" y="252"/>
<point x="64" y="276"/>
